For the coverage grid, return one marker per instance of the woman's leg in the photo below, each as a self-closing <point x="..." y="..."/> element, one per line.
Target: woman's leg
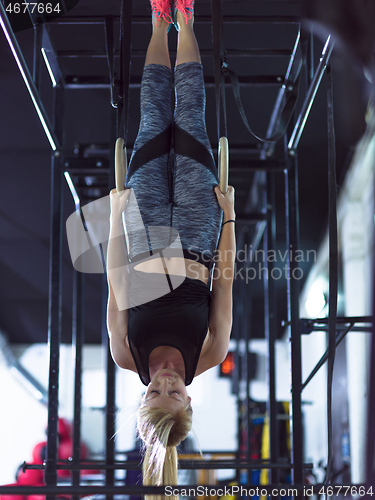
<point x="156" y="90"/>
<point x="158" y="52"/>
<point x="149" y="173"/>
<point x="187" y="45"/>
<point x="196" y="213"/>
<point x="190" y="93"/>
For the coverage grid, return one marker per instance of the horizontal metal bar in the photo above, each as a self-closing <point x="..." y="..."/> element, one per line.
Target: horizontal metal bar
<point x="88" y="172"/>
<point x="255" y="164"/>
<point x="102" y="185"/>
<point x="182" y="464"/>
<point x="324" y="358"/>
<point x="160" y="490"/>
<point x="234" y="170"/>
<point x="361" y="329"/>
<point x="192" y="453"/>
<point x="101" y="54"/>
<point x="311" y="93"/>
<point x="197" y="20"/>
<point x="342" y="320"/>
<point x="251" y="217"/>
<point x="75" y="165"/>
<point x="92" y="162"/>
<point x="75" y="82"/>
<point x="320" y="324"/>
<point x="30" y="85"/>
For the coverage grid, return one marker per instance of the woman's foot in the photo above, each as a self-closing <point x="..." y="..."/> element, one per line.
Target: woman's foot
<point x="183" y="12"/>
<point x="161" y="9"/>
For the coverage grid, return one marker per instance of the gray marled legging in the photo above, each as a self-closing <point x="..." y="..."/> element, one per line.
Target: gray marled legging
<point x="174" y="189"/>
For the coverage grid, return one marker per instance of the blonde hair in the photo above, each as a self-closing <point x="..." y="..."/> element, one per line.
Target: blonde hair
<point x="161" y="430"/>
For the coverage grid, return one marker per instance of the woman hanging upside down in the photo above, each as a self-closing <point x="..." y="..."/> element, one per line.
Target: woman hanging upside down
<point x="164" y="322"/>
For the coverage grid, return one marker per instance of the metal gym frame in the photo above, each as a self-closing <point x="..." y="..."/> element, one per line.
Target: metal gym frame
<point x="264" y="219"/>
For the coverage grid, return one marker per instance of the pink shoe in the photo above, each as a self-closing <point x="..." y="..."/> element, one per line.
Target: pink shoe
<point x="162" y="9"/>
<point x="186" y="7"/>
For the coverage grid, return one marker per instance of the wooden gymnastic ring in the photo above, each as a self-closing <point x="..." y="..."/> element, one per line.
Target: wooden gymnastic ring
<point x="223" y="164"/>
<point x="121" y="164"/>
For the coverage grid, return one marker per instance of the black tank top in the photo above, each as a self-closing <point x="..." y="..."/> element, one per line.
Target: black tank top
<point x="178" y="319"/>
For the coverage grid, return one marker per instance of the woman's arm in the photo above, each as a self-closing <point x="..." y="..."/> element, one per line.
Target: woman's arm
<point x="220" y="320"/>
<point x="117" y="308"/>
<point x="117" y="255"/>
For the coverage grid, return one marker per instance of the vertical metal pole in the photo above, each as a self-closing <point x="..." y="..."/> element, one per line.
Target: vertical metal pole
<point x="244" y="384"/>
<point x="248" y="400"/>
<point x="110" y="396"/>
<point x="236" y="336"/>
<point x="370" y="452"/>
<point x="270" y="323"/>
<point x="77" y="346"/>
<point x="245" y="300"/>
<point x="37" y="55"/>
<point x="54" y="322"/>
<point x="236" y="374"/>
<point x="293" y="290"/>
<point x="310" y="56"/>
<point x="109" y="365"/>
<point x="239" y="438"/>
<point x="55" y="290"/>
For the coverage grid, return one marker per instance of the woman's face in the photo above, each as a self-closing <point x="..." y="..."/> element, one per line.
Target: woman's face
<point x="167" y="390"/>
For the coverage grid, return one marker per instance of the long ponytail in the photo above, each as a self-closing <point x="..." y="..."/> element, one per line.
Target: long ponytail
<point x="161" y="431"/>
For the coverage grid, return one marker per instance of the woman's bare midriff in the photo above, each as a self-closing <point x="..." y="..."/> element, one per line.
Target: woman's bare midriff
<point x="176" y="266"/>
